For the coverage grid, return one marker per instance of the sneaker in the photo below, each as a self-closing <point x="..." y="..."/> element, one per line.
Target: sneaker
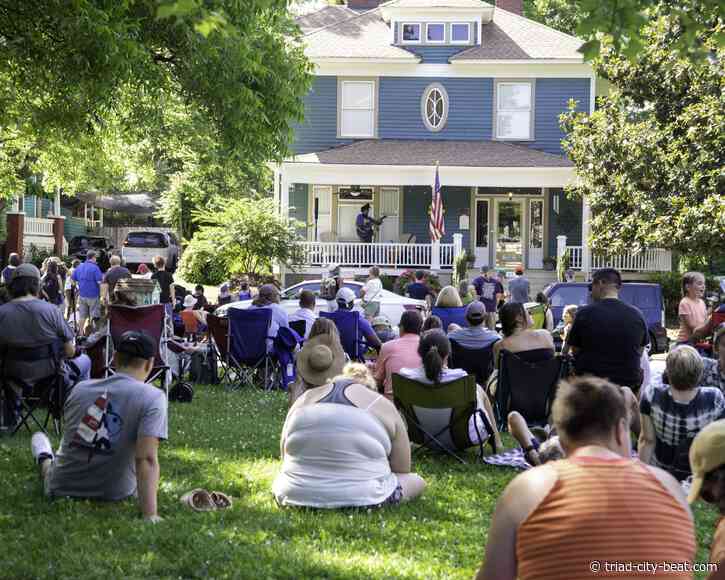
<point x="40" y="447"/>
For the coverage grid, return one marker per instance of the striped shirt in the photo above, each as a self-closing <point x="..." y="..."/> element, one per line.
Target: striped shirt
<point x="603" y="511"/>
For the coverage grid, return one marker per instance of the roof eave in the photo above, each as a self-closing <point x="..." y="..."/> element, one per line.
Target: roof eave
<point x="364" y="59"/>
<point x="397" y="13"/>
<point x="475" y="61"/>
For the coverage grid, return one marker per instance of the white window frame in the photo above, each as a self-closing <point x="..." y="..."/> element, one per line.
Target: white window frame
<point x="428" y="25"/>
<point x="498" y="110"/>
<point x="420" y="33"/>
<point x="424" y="109"/>
<point x="468" y="27"/>
<point x="341" y="108"/>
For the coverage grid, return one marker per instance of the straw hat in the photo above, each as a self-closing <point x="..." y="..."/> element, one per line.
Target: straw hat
<point x="707" y="453"/>
<point x="320" y="360"/>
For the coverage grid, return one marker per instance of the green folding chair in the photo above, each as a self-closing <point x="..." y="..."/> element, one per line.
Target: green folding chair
<point x="438" y="415"/>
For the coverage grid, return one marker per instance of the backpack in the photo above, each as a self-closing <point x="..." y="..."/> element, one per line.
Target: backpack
<point x="181" y="393"/>
<point x="51" y="288"/>
<point x="328" y="290"/>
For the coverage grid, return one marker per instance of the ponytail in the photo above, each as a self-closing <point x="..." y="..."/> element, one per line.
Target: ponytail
<point x="434" y="347"/>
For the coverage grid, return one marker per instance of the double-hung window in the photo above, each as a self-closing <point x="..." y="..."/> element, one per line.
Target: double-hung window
<point x="460" y="33"/>
<point x="357" y="109"/>
<point x="410" y="33"/>
<point x="435" y="33"/>
<point x="514" y="110"/>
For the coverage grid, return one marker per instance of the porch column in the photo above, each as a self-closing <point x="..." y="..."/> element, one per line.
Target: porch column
<point x="100" y="217"/>
<point x="58" y="233"/>
<point x="560" y="249"/>
<point x="435" y="255"/>
<point x="284" y="195"/>
<point x="56" y="209"/>
<point x="586" y="231"/>
<point x="16" y="229"/>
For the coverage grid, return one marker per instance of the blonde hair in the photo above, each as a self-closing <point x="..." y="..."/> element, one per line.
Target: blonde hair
<point x="361" y="374"/>
<point x="684" y="368"/>
<point x="448" y="297"/>
<point x="570" y="309"/>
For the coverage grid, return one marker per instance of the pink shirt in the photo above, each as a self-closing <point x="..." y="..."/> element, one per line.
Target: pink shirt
<point x="395" y="355"/>
<point x="696" y="313"/>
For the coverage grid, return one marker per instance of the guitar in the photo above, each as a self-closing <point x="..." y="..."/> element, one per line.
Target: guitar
<point x="367" y="229"/>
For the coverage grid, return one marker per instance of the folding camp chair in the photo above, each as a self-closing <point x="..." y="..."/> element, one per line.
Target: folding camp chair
<point x="150" y="319"/>
<point x="247" y="348"/>
<point x="526" y="387"/>
<point x="438" y="415"/>
<point x="219" y="334"/>
<point x="450" y="316"/>
<point x="348" y="325"/>
<point x="22" y="400"/>
<point x="299" y="326"/>
<point x="477" y="362"/>
<point x="191" y="325"/>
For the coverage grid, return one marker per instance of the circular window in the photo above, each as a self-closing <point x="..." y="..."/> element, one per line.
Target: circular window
<point x="434" y="107"/>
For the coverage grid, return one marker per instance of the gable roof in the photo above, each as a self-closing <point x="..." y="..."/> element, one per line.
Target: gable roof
<point x="364" y="36"/>
<point x="450" y="153"/>
<point x="437" y="4"/>
<point x="324" y="17"/>
<point x="511" y="36"/>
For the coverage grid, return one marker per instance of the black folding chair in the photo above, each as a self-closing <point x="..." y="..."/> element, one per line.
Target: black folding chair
<point x="438" y="415"/>
<point x="526" y="387"/>
<point x="477" y="362"/>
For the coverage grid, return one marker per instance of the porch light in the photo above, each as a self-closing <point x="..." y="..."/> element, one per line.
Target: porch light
<point x="511" y="195"/>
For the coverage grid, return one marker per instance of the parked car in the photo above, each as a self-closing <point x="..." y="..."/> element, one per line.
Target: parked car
<point x="647" y="297"/>
<point x="391" y="305"/>
<point x="79" y="245"/>
<point x="141" y="247"/>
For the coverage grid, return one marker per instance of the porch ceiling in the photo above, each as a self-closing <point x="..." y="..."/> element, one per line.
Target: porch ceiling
<point x="403" y="152"/>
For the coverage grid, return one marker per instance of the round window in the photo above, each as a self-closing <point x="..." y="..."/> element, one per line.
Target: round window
<point x="434" y="107"/>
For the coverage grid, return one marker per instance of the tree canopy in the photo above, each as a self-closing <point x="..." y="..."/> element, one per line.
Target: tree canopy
<point x="650" y="159"/>
<point x="129" y="93"/>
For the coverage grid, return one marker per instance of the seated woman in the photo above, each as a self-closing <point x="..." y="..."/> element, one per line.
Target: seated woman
<point x="343" y="444"/>
<point x="189" y="314"/>
<point x="448" y="297"/>
<point x="713" y="374"/>
<point x="672" y="415"/>
<point x="434" y="350"/>
<point x="268" y="297"/>
<point x="431" y="323"/>
<point x="529" y="344"/>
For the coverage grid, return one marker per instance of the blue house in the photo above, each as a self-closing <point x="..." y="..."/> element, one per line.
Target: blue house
<point x="405" y="85"/>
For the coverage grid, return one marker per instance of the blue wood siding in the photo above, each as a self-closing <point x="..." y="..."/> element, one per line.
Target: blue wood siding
<point x="568" y="222"/>
<point x="552" y="99"/>
<point x="469" y="115"/>
<point x="438" y="54"/>
<point x="73" y="226"/>
<point x="299" y="200"/>
<point x="319" y="129"/>
<point x="416" y="201"/>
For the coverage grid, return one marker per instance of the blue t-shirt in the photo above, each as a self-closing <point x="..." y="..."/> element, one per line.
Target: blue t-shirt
<point x="366" y="332"/>
<point x="519" y="289"/>
<point x="7" y="274"/>
<point x="417" y="290"/>
<point x="89" y="277"/>
<point x="487" y="289"/>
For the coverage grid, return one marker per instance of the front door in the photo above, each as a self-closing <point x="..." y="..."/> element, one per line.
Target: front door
<point x="509" y="233"/>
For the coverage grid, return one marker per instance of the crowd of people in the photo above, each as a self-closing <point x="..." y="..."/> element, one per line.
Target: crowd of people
<point x="345" y="444"/>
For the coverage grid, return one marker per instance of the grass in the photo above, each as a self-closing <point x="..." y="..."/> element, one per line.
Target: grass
<point x="230" y="442"/>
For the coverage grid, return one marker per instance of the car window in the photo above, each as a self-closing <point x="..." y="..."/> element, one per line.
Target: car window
<point x="145" y="240"/>
<point x="294" y="293"/>
<point x="646" y="298"/>
<point x="565" y="295"/>
<point x="354" y="287"/>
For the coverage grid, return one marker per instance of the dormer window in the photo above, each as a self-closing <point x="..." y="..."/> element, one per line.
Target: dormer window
<point x="460" y="33"/>
<point x="411" y="33"/>
<point x="435" y="33"/>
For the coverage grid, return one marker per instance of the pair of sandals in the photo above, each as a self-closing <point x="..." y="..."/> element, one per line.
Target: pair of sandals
<point x="200" y="500"/>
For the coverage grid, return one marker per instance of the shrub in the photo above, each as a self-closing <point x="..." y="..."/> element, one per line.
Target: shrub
<point x="203" y="263"/>
<point x="36" y="256"/>
<point x="430" y="279"/>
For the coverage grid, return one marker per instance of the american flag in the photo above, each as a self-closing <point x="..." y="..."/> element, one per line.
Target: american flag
<point x="436" y="227"/>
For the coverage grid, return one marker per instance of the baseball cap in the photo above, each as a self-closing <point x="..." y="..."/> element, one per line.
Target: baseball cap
<point x="137" y="344"/>
<point x="345" y="295"/>
<point x="475" y="311"/>
<point x="26" y="271"/>
<point x="381" y="321"/>
<point x="707" y="453"/>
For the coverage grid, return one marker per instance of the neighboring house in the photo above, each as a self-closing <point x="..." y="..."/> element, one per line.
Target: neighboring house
<point x="402" y="85"/>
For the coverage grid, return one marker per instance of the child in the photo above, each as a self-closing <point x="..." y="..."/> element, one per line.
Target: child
<point x="567" y="320"/>
<point x="692" y="312"/>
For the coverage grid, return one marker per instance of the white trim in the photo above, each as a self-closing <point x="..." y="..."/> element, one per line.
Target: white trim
<point x="391" y="12"/>
<point x="373" y="110"/>
<point x="434" y="42"/>
<point x="403" y="24"/>
<point x="533" y="61"/>
<point x="497" y="201"/>
<point x="424" y="107"/>
<point x="396" y="175"/>
<point x="347" y="67"/>
<point x="461" y="42"/>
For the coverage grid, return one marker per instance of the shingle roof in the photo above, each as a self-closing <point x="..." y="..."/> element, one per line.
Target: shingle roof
<point x="364" y="36"/>
<point x="511" y="36"/>
<point x="438" y="4"/>
<point x="324" y="17"/>
<point x="425" y="153"/>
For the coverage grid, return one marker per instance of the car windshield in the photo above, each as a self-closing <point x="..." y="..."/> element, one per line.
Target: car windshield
<point x="314" y="287"/>
<point x="145" y="240"/>
<point x="565" y="295"/>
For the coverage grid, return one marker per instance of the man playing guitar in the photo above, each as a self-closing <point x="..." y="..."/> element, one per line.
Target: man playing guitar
<point x="365" y="225"/>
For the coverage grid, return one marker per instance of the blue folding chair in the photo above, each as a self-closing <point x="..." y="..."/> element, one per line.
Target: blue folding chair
<point x="450" y="315"/>
<point x="348" y="325"/>
<point x="248" y="359"/>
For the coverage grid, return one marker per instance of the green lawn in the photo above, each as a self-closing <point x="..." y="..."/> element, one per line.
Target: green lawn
<point x="229" y="442"/>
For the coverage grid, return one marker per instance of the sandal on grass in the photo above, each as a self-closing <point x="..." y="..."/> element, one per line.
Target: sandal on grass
<point x="221" y="500"/>
<point x="199" y="500"/>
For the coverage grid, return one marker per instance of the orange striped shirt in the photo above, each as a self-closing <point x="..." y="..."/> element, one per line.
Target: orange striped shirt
<point x="605" y="518"/>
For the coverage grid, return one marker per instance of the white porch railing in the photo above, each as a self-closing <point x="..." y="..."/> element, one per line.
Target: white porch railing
<point x="38" y="227"/>
<point x="383" y="255"/>
<point x="652" y="260"/>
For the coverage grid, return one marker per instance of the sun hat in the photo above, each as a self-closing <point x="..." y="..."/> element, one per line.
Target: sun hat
<point x="475" y="311"/>
<point x="321" y="359"/>
<point x="26" y="271"/>
<point x="189" y="300"/>
<point x="707" y="453"/>
<point x="382" y="320"/>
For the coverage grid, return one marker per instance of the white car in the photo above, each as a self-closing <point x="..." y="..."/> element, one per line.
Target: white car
<point x="391" y="305"/>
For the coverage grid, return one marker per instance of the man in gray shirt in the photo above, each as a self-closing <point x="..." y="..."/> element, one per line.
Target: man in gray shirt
<point x="519" y="287"/>
<point x="475" y="336"/>
<point x="109" y="449"/>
